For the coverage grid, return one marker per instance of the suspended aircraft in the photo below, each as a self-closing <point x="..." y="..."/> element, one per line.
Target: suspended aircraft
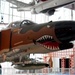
<point x="21" y="38"/>
<point x="40" y="6"/>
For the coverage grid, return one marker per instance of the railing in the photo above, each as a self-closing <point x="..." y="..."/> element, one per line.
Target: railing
<point x="45" y="71"/>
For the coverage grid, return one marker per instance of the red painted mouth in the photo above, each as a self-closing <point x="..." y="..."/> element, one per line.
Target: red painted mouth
<point x="48" y="42"/>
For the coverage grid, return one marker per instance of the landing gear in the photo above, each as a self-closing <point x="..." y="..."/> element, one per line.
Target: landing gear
<point x="20" y="58"/>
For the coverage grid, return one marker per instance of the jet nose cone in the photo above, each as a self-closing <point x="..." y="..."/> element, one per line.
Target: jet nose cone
<point x="65" y="31"/>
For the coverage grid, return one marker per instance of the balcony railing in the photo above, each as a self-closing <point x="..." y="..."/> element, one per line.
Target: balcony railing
<point x="45" y="71"/>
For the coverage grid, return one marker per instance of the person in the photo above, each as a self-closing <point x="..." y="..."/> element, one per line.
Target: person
<point x="0" y="69"/>
<point x="50" y="64"/>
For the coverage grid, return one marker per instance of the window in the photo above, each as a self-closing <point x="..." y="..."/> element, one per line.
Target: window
<point x="26" y="22"/>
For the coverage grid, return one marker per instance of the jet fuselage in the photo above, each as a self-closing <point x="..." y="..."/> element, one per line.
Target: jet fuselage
<point x="37" y="38"/>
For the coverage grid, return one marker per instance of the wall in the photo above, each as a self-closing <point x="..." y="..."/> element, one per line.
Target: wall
<point x="55" y="62"/>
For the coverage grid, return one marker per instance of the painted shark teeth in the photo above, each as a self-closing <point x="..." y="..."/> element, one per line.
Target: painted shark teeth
<point x="51" y="47"/>
<point x="45" y="37"/>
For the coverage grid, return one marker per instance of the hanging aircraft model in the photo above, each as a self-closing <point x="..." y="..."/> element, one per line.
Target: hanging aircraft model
<point x="40" y="6"/>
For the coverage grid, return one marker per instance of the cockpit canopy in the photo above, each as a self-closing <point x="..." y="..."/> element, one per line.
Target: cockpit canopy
<point x="19" y="24"/>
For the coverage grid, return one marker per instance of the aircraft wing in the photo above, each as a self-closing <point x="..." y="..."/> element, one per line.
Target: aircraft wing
<point x="51" y="4"/>
<point x="70" y="6"/>
<point x="22" y="8"/>
<point x="20" y="4"/>
<point x="48" y="7"/>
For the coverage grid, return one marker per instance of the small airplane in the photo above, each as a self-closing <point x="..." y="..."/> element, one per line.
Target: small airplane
<point x="40" y="6"/>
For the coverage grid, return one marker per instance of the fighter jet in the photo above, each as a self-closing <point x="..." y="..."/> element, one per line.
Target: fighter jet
<point x="25" y="37"/>
<point x="40" y="6"/>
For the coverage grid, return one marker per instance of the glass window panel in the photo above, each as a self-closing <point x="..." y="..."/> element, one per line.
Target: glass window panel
<point x="33" y="17"/>
<point x="22" y="14"/>
<point x="66" y="14"/>
<point x="61" y="14"/>
<point x="0" y="17"/>
<point x="5" y="18"/>
<point x="2" y="6"/>
<point x="74" y="15"/>
<point x="15" y="12"/>
<point x="28" y="15"/>
<point x="18" y="13"/>
<point x="10" y="19"/>
<point x="16" y="18"/>
<point x="10" y="11"/>
<point x="6" y="11"/>
<point x="40" y="18"/>
<point x="22" y="18"/>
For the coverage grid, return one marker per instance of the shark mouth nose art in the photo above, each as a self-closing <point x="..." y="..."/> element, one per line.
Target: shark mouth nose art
<point x="48" y="42"/>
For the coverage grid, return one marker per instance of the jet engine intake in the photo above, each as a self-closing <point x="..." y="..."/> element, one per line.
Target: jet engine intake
<point x="48" y="12"/>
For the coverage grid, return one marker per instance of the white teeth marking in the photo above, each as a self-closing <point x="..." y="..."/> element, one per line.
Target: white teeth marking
<point x="44" y="46"/>
<point x="48" y="47"/>
<point x="41" y="38"/>
<point x="51" y="48"/>
<point x="51" y="37"/>
<point x="45" y="37"/>
<point x="57" y="47"/>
